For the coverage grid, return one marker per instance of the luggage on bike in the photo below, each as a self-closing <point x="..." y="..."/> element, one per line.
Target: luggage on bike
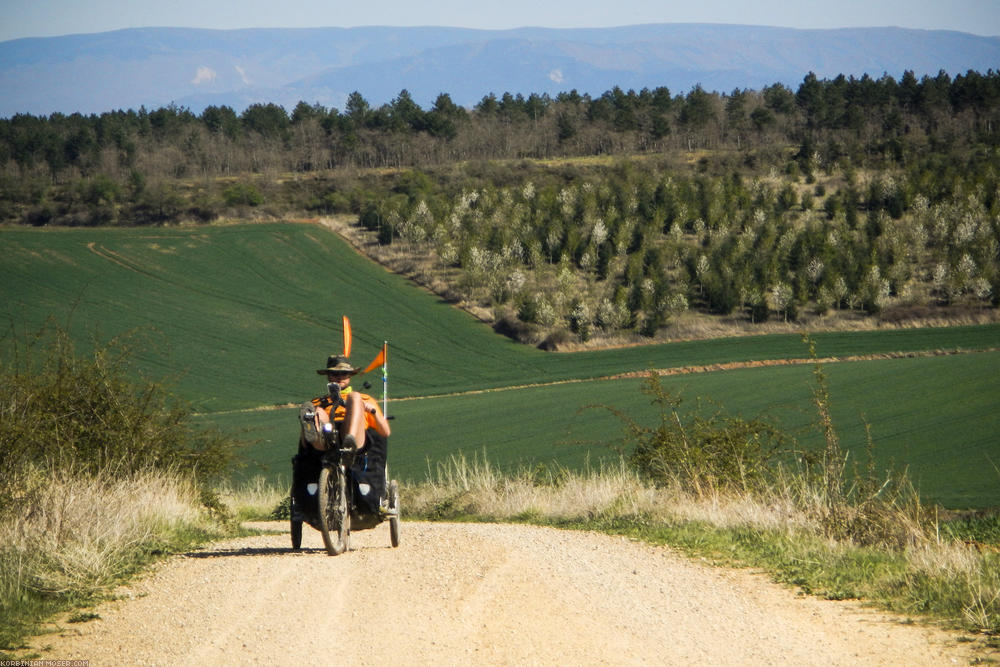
<point x="340" y="489"/>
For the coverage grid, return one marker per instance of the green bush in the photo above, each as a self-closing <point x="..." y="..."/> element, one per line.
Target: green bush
<point x="242" y="194"/>
<point x="59" y="408"/>
<point x="703" y="451"/>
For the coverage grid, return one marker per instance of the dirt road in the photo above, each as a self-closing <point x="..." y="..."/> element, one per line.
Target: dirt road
<point x="480" y="594"/>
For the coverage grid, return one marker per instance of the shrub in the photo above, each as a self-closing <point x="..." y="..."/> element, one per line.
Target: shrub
<point x="60" y="408"/>
<point x="512" y="327"/>
<point x="242" y="194"/>
<point x="555" y="340"/>
<point x="704" y="452"/>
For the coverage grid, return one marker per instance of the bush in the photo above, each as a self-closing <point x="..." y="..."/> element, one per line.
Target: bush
<point x="512" y="327"/>
<point x="242" y="194"/>
<point x="555" y="340"/>
<point x="62" y="409"/>
<point x="702" y="452"/>
<point x="203" y="210"/>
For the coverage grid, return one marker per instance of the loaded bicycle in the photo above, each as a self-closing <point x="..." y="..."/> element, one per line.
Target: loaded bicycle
<point x="340" y="479"/>
<point x="332" y="492"/>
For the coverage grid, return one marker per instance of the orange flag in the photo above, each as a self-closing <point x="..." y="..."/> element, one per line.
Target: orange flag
<point x="377" y="361"/>
<point x="347" y="337"/>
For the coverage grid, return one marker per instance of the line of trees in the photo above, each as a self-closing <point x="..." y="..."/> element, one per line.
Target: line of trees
<point x="866" y="195"/>
<point x="875" y="116"/>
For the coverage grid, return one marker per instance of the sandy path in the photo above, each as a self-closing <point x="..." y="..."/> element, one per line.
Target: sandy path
<point x="478" y="593"/>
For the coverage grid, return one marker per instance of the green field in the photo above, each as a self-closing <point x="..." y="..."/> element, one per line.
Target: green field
<point x="938" y="417"/>
<point x="240" y="316"/>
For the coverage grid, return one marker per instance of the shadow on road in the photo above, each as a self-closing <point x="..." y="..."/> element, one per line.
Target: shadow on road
<point x="272" y="551"/>
<point x="252" y="551"/>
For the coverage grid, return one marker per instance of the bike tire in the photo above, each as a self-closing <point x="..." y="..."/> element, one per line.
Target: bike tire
<point x="295" y="527"/>
<point x="335" y="519"/>
<point x="394" y="519"/>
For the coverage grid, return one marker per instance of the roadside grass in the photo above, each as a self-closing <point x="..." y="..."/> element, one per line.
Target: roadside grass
<point x="921" y="567"/>
<point x="101" y="473"/>
<point x="254" y="499"/>
<point x="778" y="529"/>
<point x="725" y="488"/>
<point x="70" y="537"/>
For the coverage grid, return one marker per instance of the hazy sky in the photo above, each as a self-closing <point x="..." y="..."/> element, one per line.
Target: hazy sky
<point x="39" y="18"/>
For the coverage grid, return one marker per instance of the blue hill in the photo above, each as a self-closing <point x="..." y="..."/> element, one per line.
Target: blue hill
<point x="194" y="68"/>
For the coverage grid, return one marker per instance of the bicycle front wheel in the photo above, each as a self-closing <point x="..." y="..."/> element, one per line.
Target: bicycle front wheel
<point x="335" y="519"/>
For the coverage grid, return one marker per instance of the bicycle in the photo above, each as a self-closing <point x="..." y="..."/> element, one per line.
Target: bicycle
<point x="331" y="504"/>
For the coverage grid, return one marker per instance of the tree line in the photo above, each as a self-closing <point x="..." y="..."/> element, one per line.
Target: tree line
<point x="877" y="117"/>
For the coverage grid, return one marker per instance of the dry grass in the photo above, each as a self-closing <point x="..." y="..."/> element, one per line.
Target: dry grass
<point x="254" y="499"/>
<point x="68" y="538"/>
<point x="74" y="534"/>
<point x="474" y="487"/>
<point x="970" y="571"/>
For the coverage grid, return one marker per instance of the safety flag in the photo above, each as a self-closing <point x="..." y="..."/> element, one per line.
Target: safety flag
<point x="382" y="359"/>
<point x="347" y="337"/>
<point x="379" y="360"/>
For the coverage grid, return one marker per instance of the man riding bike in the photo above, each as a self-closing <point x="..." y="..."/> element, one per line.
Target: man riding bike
<point x="360" y="422"/>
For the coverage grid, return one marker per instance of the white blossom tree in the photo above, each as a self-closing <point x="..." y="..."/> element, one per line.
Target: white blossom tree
<point x="779" y="298"/>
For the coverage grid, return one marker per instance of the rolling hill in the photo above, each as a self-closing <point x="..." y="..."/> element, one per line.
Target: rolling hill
<point x="240" y="316"/>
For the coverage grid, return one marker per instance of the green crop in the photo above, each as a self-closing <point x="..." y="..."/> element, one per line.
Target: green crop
<point x="238" y="318"/>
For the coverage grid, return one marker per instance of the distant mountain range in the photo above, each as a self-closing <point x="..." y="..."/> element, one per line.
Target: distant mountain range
<point x="195" y="68"/>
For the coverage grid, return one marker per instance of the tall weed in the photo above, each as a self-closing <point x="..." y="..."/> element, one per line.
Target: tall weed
<point x="862" y="505"/>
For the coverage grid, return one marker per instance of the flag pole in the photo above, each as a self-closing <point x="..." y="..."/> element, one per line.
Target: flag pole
<point x="385" y="379"/>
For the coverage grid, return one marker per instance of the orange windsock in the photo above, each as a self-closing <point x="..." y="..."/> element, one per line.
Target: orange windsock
<point x="347" y="337"/>
<point x="376" y="362"/>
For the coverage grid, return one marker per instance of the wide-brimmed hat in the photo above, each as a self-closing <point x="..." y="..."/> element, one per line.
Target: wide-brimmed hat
<point x="337" y="363"/>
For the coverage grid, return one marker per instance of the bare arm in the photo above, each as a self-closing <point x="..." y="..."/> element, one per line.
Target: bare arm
<point x="381" y="423"/>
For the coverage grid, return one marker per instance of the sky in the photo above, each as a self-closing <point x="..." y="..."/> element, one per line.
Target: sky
<point x="45" y="18"/>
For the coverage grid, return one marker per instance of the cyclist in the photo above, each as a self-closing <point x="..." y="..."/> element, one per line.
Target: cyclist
<point x="352" y="411"/>
<point x="361" y="424"/>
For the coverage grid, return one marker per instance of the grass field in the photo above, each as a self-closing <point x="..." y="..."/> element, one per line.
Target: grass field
<point x="936" y="416"/>
<point x="241" y="316"/>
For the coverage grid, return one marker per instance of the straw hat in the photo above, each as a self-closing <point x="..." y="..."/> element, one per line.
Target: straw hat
<point x="337" y="363"/>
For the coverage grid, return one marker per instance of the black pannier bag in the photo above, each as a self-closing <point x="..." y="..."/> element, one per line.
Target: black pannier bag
<point x="368" y="472"/>
<point x="306" y="466"/>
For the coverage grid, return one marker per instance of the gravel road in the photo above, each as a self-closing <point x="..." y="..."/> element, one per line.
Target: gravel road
<point x="478" y="593"/>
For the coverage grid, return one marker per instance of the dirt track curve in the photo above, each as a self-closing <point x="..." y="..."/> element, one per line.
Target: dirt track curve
<point x="478" y="594"/>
